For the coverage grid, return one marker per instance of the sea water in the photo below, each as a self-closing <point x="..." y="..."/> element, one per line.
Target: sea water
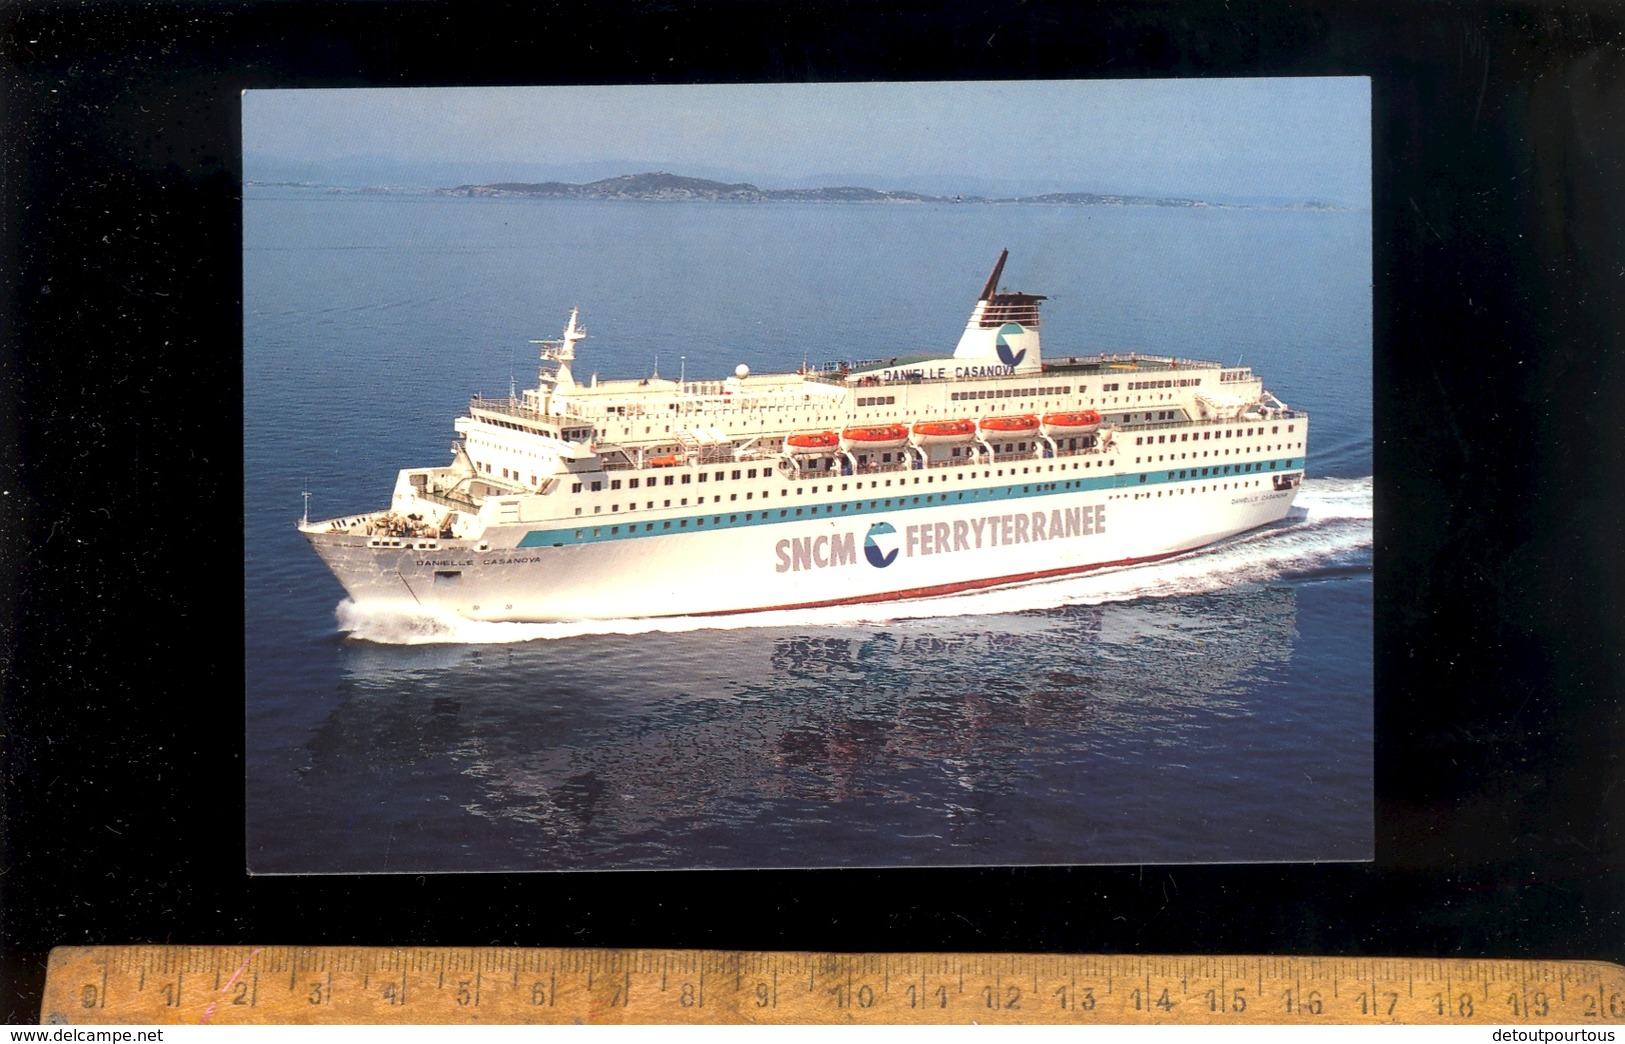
<point x="1215" y="707"/>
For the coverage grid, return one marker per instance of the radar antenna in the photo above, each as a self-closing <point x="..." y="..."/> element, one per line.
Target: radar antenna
<point x="563" y="352"/>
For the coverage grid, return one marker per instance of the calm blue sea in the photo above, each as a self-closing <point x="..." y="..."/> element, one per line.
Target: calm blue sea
<point x="1214" y="708"/>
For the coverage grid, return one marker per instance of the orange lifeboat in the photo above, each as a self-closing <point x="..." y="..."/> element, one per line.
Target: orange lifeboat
<point x="885" y="436"/>
<point x="1074" y="422"/>
<point x="927" y="433"/>
<point x="813" y="440"/>
<point x="664" y="462"/>
<point x="1020" y="424"/>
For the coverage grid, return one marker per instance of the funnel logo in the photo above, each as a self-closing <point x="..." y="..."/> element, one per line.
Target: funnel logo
<point x="1009" y="358"/>
<point x="875" y="549"/>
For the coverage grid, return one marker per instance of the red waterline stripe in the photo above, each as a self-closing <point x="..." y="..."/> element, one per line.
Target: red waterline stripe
<point x="947" y="589"/>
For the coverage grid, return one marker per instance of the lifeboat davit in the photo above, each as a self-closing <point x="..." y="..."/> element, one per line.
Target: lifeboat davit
<point x="1075" y="422"/>
<point x="1020" y="424"/>
<point x="885" y="436"/>
<point x="813" y="440"/>
<point x="939" y="433"/>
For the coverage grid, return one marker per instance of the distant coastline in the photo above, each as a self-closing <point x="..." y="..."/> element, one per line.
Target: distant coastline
<point x="660" y="186"/>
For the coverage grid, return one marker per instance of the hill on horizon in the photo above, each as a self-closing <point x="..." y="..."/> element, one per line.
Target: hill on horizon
<point x="534" y="180"/>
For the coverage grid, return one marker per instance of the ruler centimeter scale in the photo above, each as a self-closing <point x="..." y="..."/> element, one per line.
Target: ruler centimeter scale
<point x="448" y="985"/>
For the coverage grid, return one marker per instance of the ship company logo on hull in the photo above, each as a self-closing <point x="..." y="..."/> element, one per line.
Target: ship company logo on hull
<point x="883" y="545"/>
<point x="880" y="552"/>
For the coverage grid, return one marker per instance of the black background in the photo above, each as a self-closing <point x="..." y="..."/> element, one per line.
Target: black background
<point x="1499" y="213"/>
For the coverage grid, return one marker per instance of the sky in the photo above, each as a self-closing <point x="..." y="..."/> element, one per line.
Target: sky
<point x="1304" y="138"/>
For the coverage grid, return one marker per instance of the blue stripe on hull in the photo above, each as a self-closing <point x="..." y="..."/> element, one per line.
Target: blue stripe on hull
<point x="599" y="528"/>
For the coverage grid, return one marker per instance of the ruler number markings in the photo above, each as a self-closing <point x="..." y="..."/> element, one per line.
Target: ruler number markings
<point x="111" y="983"/>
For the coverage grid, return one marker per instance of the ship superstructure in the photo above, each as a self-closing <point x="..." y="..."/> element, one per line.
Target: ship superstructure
<point x="897" y="478"/>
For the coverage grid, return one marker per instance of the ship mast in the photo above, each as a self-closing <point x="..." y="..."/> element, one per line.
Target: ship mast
<point x="563" y="352"/>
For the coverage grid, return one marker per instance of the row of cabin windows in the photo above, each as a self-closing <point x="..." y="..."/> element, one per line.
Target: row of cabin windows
<point x="526" y="428"/>
<point x="1183" y="382"/>
<point x="1228" y="433"/>
<point x="828" y="509"/>
<point x="507" y="473"/>
<point x="684" y="479"/>
<point x="1014" y="393"/>
<point x="584" y="434"/>
<point x="1239" y="468"/>
<point x="764" y="473"/>
<point x="1220" y="453"/>
<point x="873" y="484"/>
<point x="831" y="509"/>
<point x="749" y="473"/>
<point x="931" y="478"/>
<point x="995" y="393"/>
<point x="1227" y="469"/>
<point x="1180" y="492"/>
<point x="887" y="458"/>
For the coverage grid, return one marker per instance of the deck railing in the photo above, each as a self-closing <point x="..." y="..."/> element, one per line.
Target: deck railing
<point x="1103" y="363"/>
<point x="1210" y="421"/>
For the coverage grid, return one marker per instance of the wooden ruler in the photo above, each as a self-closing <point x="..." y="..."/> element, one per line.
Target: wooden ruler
<point x="442" y="985"/>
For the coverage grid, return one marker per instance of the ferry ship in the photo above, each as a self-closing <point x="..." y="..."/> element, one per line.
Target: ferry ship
<point x="846" y="483"/>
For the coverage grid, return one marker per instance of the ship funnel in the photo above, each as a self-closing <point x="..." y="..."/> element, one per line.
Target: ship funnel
<point x="1003" y="328"/>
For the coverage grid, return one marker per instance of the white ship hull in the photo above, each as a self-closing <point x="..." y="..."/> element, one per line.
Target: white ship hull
<point x="713" y="568"/>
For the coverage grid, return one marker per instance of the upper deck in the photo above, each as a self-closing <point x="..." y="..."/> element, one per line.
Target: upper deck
<point x="574" y="416"/>
<point x="1104" y="363"/>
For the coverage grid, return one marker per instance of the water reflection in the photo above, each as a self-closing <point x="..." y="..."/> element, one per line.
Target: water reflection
<point x="859" y="744"/>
